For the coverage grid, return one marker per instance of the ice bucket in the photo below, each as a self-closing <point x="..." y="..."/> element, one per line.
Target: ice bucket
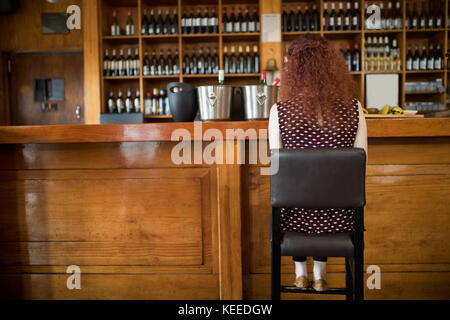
<point x="258" y="100"/>
<point x="215" y="102"/>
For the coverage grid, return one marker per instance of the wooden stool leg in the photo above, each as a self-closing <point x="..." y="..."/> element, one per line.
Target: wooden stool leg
<point x="276" y="255"/>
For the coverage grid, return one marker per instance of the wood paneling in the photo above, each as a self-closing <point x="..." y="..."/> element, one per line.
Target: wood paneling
<point x="26" y="68"/>
<point x="4" y="90"/>
<point x="22" y="29"/>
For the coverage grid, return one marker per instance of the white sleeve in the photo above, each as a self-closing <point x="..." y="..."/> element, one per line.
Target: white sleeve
<point x="274" y="129"/>
<point x="361" y="134"/>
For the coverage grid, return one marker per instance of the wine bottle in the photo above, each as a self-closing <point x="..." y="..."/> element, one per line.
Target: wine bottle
<point x="184" y="22"/>
<point x="383" y="17"/>
<point x="430" y="58"/>
<point x="231" y="21"/>
<point x="186" y="62"/>
<point x="144" y="25"/>
<point x="166" y="23"/>
<point x="423" y="17"/>
<point x="326" y="18"/>
<point x="340" y="18"/>
<point x="356" y="17"/>
<point x="390" y="17"/>
<point x="129" y="104"/>
<point x="198" y="22"/>
<point x="136" y="63"/>
<point x="332" y="19"/>
<point x="113" y="65"/>
<point x="129" y="29"/>
<point x="237" y="23"/>
<point x="115" y="29"/>
<point x="251" y="24"/>
<point x="111" y="102"/>
<point x="129" y="64"/>
<point x="161" y="102"/>
<point x="263" y="78"/>
<point x="201" y="62"/>
<point x="256" y="19"/>
<point x="241" y="62"/>
<point x="208" y="61"/>
<point x="416" y="58"/>
<point x="176" y="63"/>
<point x="191" y="22"/>
<point x="348" y="58"/>
<point x="152" y="23"/>
<point x="315" y="19"/>
<point x="193" y="66"/>
<point x="159" y="24"/>
<point x="408" y="22"/>
<point x="106" y="64"/>
<point x="221" y="78"/>
<point x="285" y="21"/>
<point x="415" y="17"/>
<point x="121" y="64"/>
<point x="174" y="22"/>
<point x="423" y="58"/>
<point x="348" y="18"/>
<point x="292" y="25"/>
<point x="409" y="59"/>
<point x="439" y="58"/>
<point x="438" y="19"/>
<point x="146" y="64"/>
<point x="205" y="22"/>
<point x="299" y="22"/>
<point x="356" y="60"/>
<point x="154" y="64"/>
<point x="168" y="67"/>
<point x="160" y="67"/>
<point x="120" y="104"/>
<point x="398" y="16"/>
<point x="248" y="60"/>
<point x="148" y="104"/>
<point x="245" y="21"/>
<point x="233" y="60"/>
<point x="216" y="62"/>
<point x="430" y="19"/>
<point x="155" y="102"/>
<point x="226" y="60"/>
<point x="307" y="23"/>
<point x="255" y="59"/>
<point x="213" y="22"/>
<point x="137" y="102"/>
<point x="224" y="21"/>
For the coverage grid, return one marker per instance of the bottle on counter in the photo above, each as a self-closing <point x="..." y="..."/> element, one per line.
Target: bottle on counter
<point x="221" y="77"/>
<point x="263" y="78"/>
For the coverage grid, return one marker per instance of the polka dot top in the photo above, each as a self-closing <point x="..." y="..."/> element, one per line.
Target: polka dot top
<point x="298" y="133"/>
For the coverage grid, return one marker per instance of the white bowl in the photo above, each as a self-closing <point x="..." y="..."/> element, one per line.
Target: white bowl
<point x="410" y="112"/>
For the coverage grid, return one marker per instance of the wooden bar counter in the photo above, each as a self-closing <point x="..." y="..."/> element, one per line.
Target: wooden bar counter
<point x="109" y="199"/>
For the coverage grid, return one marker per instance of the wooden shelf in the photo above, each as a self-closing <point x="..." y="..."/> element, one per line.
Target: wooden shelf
<point x="343" y="32"/>
<point x="199" y="35"/>
<point x="158" y="117"/>
<point x="200" y="75"/>
<point x="384" y="31"/>
<point x="422" y="92"/>
<point x="425" y="30"/>
<point x="424" y="71"/>
<point x="136" y="37"/>
<point x="171" y="76"/>
<point x="242" y="75"/>
<point x="160" y="36"/>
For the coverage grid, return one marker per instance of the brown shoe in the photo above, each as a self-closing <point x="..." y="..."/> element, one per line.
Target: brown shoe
<point x="302" y="282"/>
<point x="320" y="285"/>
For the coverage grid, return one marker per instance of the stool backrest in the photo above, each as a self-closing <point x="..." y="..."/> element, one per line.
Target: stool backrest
<point x="319" y="178"/>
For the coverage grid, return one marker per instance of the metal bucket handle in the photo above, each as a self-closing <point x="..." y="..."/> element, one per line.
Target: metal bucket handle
<point x="212" y="99"/>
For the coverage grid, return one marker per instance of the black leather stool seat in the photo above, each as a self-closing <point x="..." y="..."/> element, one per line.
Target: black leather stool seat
<point x="319" y="245"/>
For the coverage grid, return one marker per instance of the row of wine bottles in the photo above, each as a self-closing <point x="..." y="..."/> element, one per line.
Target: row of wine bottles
<point x="159" y="25"/>
<point x="307" y="21"/>
<point x="431" y="16"/>
<point x="352" y="57"/>
<point x="129" y="27"/>
<point x="238" y="23"/>
<point x="119" y="104"/>
<point x="390" y="17"/>
<point x="242" y="62"/>
<point x="428" y="59"/>
<point x="120" y="66"/>
<point x="199" y="24"/>
<point x="164" y="64"/>
<point x="201" y="63"/>
<point x="381" y="54"/>
<point x="156" y="103"/>
<point x="350" y="20"/>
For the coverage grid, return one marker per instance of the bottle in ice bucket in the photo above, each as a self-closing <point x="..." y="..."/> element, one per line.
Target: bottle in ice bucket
<point x="221" y="77"/>
<point x="263" y="77"/>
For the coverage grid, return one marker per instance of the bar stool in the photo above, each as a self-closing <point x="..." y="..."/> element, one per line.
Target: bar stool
<point x="319" y="179"/>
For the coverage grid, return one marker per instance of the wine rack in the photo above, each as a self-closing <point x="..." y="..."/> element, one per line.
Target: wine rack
<point x="179" y="41"/>
<point x="403" y="36"/>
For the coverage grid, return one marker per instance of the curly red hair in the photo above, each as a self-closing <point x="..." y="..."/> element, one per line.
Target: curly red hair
<point x="316" y="74"/>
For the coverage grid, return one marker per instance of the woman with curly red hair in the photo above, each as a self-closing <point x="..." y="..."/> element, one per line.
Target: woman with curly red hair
<point x="316" y="110"/>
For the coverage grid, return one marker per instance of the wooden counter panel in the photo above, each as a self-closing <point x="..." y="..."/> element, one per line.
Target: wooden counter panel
<point x="105" y="217"/>
<point x="110" y="287"/>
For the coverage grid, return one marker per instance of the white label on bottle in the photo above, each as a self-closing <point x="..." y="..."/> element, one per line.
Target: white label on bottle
<point x="198" y="22"/>
<point x="251" y="26"/>
<point x="416" y="65"/>
<point x="437" y="64"/>
<point x="188" y="22"/>
<point x="237" y="27"/>
<point x="331" y="21"/>
<point x="146" y="71"/>
<point x="229" y="26"/>
<point x="212" y="22"/>
<point x="339" y="21"/>
<point x="355" y="21"/>
<point x="409" y="64"/>
<point x="244" y="27"/>
<point x="113" y="30"/>
<point x="205" y="22"/>
<point x="430" y="64"/>
<point x="183" y="22"/>
<point x="128" y="65"/>
<point x="106" y="65"/>
<point x="423" y="64"/>
<point x="120" y="65"/>
<point x="347" y="21"/>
